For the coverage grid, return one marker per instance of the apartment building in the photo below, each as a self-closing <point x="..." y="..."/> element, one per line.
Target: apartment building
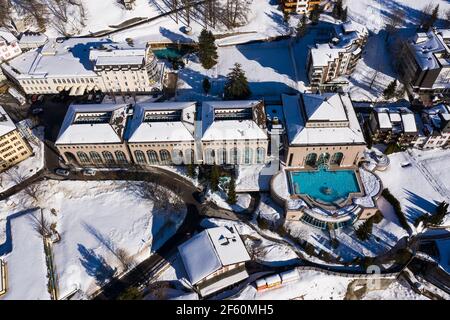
<point x="9" y="45"/>
<point x="434" y="129"/>
<point x="299" y="6"/>
<point x="80" y="65"/>
<point x="321" y="130"/>
<point x="13" y="147"/>
<point x="93" y="135"/>
<point x="425" y="65"/>
<point x="329" y="63"/>
<point x="216" y="132"/>
<point x="214" y="259"/>
<point x="394" y="123"/>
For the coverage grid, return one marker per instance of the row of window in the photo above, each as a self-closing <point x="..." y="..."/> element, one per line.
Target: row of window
<point x="221" y="156"/>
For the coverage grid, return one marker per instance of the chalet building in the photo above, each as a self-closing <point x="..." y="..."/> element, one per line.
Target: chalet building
<point x="393" y="123"/>
<point x="93" y="135"/>
<point x="9" y="45"/>
<point x="425" y="65"/>
<point x="299" y="6"/>
<point x="214" y="259"/>
<point x="434" y="131"/>
<point x="13" y="147"/>
<point x="328" y="63"/>
<point x="322" y="130"/>
<point x="80" y="65"/>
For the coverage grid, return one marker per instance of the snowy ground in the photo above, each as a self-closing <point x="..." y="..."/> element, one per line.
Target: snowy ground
<point x="26" y="168"/>
<point x="253" y="178"/>
<point x="95" y="220"/>
<point x="421" y="186"/>
<point x="316" y="285"/>
<point x="220" y="199"/>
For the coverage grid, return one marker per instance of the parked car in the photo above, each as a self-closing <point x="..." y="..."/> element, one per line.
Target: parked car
<point x="89" y="172"/>
<point x="62" y="172"/>
<point x="36" y="111"/>
<point x="405" y="164"/>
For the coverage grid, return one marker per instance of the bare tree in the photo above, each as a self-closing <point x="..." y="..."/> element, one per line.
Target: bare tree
<point x="32" y="190"/>
<point x="126" y="260"/>
<point x="41" y="225"/>
<point x="425" y="13"/>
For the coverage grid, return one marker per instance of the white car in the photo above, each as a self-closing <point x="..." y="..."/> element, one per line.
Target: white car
<point x="62" y="172"/>
<point x="89" y="172"/>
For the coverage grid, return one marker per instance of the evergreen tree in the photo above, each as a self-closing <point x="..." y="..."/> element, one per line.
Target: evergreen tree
<point x="432" y="19"/>
<point x="337" y="10"/>
<point x="315" y="14"/>
<point x="214" y="178"/>
<point x="207" y="50"/>
<point x="206" y="85"/>
<point x="191" y="170"/>
<point x="344" y="14"/>
<point x="232" y="191"/>
<point x="132" y="293"/>
<point x="389" y="92"/>
<point x="302" y="27"/>
<point x="236" y="86"/>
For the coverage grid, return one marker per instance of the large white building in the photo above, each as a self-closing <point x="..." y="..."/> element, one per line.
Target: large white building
<point x="79" y="65"/>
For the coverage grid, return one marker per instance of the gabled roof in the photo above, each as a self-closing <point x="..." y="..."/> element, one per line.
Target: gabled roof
<point x="6" y="124"/>
<point x="6" y="35"/>
<point x="210" y="250"/>
<point x="324" y="108"/>
<point x="183" y="130"/>
<point x="111" y="131"/>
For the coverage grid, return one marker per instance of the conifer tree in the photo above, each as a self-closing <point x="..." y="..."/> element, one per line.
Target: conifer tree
<point x="432" y="19"/>
<point x="302" y="27"/>
<point x="337" y="10"/>
<point x="207" y="50"/>
<point x="236" y="86"/>
<point x="214" y="178"/>
<point x="315" y="14"/>
<point x="232" y="191"/>
<point x="390" y="90"/>
<point x="206" y="85"/>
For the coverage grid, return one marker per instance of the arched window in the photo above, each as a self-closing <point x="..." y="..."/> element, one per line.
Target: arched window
<point x="140" y="157"/>
<point x="83" y="157"/>
<point x="222" y="156"/>
<point x="177" y="156"/>
<point x="260" y="154"/>
<point x="70" y="157"/>
<point x="152" y="157"/>
<point x="164" y="156"/>
<point x="234" y="156"/>
<point x="95" y="157"/>
<point x="209" y="156"/>
<point x="189" y="156"/>
<point x="311" y="159"/>
<point x="323" y="159"/>
<point x="248" y="155"/>
<point x="120" y="156"/>
<point x="337" y="158"/>
<point x="108" y="157"/>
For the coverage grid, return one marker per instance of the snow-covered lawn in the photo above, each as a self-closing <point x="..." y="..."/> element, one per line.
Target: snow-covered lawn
<point x="253" y="178"/>
<point x="220" y="198"/>
<point x="26" y="168"/>
<point x="27" y="271"/>
<point x="96" y="220"/>
<point x="421" y="186"/>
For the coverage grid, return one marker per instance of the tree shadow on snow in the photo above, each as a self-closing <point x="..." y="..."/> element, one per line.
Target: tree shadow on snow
<point x="95" y="265"/>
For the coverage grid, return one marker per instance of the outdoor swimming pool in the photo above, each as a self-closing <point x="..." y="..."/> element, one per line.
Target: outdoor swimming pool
<point x="324" y="185"/>
<point x="169" y="53"/>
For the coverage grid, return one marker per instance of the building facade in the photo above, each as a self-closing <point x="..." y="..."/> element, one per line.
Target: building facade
<point x="322" y="130"/>
<point x="77" y="66"/>
<point x="299" y="6"/>
<point x="170" y="133"/>
<point x="435" y="128"/>
<point x="327" y="63"/>
<point x="13" y="147"/>
<point x="9" y="45"/>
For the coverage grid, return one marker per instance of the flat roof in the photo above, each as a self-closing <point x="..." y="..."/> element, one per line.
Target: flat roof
<point x="6" y="124"/>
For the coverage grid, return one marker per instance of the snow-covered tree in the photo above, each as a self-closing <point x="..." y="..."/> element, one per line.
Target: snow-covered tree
<point x="236" y="86"/>
<point x="207" y="50"/>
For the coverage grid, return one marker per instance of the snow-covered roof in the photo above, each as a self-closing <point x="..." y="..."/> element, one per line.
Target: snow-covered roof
<point x="392" y="114"/>
<point x="6" y="35"/>
<point x="384" y="120"/>
<point x="216" y="128"/>
<point x="426" y="45"/>
<point x="58" y="58"/>
<point x="301" y="132"/>
<point x="210" y="250"/>
<point x="6" y="124"/>
<point x="93" y="123"/>
<point x="150" y="124"/>
<point x="114" y="54"/>
<point x="323" y="53"/>
<point x="33" y="38"/>
<point x="409" y="122"/>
